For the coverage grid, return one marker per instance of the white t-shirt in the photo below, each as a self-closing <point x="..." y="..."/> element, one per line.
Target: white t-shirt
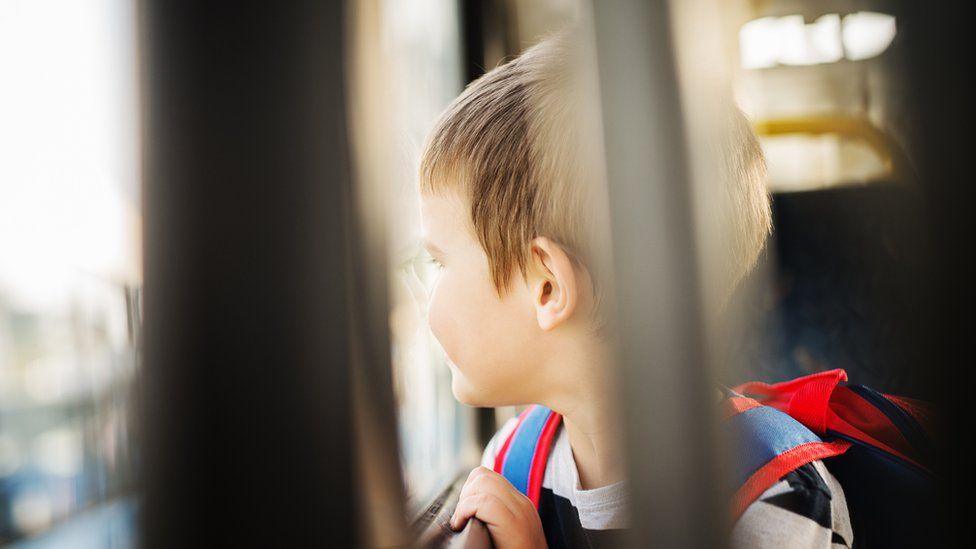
<point x="600" y="508"/>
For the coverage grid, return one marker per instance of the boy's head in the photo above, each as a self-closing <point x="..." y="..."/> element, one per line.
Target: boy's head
<point x="512" y="208"/>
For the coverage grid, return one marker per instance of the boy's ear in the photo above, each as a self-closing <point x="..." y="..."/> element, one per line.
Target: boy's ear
<point x="555" y="289"/>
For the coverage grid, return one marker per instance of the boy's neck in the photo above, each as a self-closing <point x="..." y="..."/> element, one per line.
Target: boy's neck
<point x="589" y="405"/>
<point x="596" y="445"/>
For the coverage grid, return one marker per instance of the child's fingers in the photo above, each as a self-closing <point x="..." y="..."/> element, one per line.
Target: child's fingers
<point x="480" y="479"/>
<point x="479" y="471"/>
<point x="483" y="479"/>
<point x="484" y="506"/>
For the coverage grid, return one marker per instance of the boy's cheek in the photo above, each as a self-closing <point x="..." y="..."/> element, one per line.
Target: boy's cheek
<point x="458" y="341"/>
<point x="446" y="317"/>
<point x="436" y="320"/>
<point x="449" y="331"/>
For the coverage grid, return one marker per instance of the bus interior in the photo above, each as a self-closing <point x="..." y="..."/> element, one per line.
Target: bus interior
<point x="213" y="295"/>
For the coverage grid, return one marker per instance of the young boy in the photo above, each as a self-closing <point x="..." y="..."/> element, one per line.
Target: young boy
<point x="507" y="214"/>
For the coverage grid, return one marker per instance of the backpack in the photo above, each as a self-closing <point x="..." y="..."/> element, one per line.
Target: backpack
<point x="878" y="447"/>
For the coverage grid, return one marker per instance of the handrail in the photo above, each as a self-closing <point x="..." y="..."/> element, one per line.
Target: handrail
<point x="854" y="127"/>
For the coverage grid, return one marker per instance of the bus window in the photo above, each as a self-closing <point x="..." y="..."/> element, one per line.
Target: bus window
<point x="70" y="272"/>
<point x="416" y="53"/>
<point x="286" y="388"/>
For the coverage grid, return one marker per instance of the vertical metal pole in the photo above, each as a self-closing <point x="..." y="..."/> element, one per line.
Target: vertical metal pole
<point x="380" y="484"/>
<point x="246" y="385"/>
<point x="661" y="349"/>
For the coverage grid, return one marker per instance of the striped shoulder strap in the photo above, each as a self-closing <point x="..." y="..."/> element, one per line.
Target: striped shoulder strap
<point x="522" y="458"/>
<point x="767" y="444"/>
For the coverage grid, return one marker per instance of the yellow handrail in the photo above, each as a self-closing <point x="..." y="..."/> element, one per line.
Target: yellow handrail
<point x="847" y="126"/>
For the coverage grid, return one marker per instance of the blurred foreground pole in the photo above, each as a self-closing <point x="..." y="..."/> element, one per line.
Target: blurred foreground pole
<point x="247" y="382"/>
<point x="668" y="392"/>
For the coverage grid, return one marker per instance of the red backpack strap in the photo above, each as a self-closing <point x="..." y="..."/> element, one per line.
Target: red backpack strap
<point x="805" y="398"/>
<point x="522" y="458"/>
<point x="855" y="413"/>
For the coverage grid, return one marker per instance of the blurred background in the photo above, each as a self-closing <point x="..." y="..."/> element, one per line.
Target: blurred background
<point x="70" y="273"/>
<point x="201" y="147"/>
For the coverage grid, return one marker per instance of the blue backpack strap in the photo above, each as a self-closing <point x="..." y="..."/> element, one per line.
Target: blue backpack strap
<point x="522" y="459"/>
<point x="767" y="444"/>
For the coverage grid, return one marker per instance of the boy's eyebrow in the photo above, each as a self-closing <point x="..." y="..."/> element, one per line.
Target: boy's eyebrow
<point x="431" y="247"/>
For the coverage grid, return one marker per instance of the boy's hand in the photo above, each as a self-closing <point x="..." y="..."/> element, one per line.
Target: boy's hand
<point x="511" y="518"/>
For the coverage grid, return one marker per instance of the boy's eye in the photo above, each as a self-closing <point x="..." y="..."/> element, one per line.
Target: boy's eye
<point x="434" y="262"/>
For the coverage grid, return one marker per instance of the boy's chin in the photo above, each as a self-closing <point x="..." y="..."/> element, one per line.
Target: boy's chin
<point x="462" y="391"/>
<point x="466" y="394"/>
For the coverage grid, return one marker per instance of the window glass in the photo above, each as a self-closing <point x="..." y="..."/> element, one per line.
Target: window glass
<point x="420" y="44"/>
<point x="69" y="269"/>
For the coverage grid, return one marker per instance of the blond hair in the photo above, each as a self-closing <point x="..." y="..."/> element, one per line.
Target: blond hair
<point x="517" y="145"/>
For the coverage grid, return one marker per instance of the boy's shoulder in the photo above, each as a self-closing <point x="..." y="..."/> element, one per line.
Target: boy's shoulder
<point x="806" y="508"/>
